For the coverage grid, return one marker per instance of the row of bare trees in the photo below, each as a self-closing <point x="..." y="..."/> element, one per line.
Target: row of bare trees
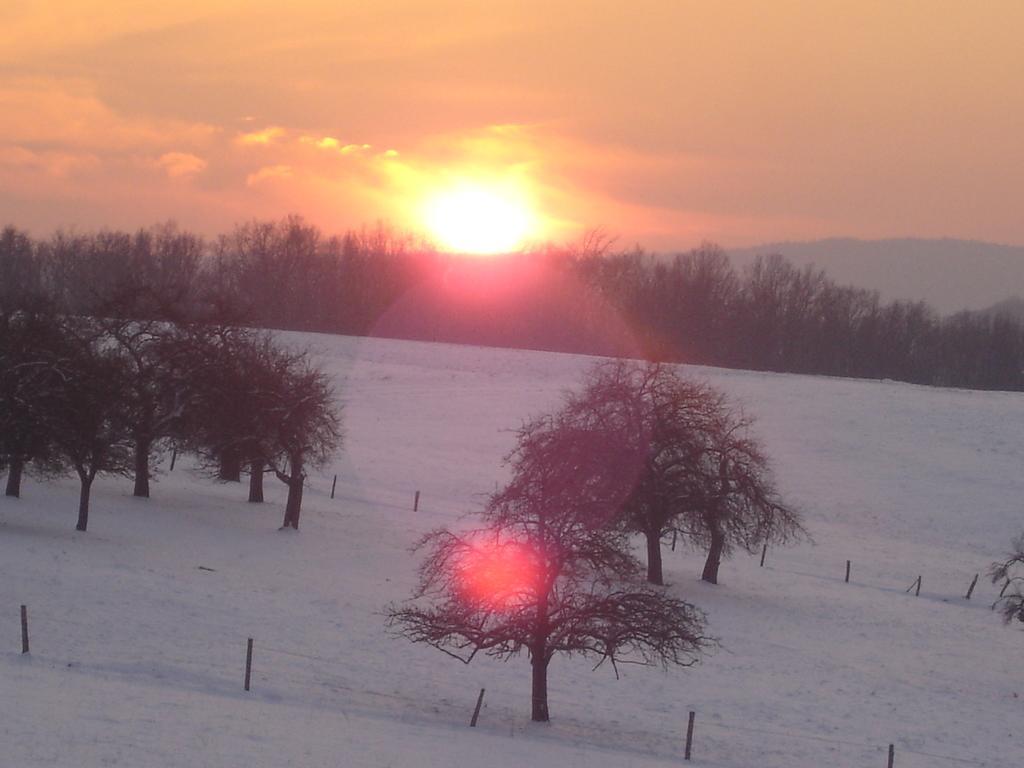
<point x="692" y="307"/>
<point x="696" y="307"/>
<point x="108" y="394"/>
<point x="639" y="449"/>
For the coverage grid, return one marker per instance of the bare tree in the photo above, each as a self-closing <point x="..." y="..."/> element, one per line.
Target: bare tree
<point x="304" y="425"/>
<point x="660" y="422"/>
<point x="696" y="471"/>
<point x="1011" y="573"/>
<point x="266" y="406"/>
<point x="158" y="370"/>
<point x="732" y="500"/>
<point x="224" y="420"/>
<point x="88" y="420"/>
<point x="31" y="350"/>
<point x="20" y="272"/>
<point x="548" y="573"/>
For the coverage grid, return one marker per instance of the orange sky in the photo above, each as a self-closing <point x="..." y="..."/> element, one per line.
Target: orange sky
<point x="664" y="122"/>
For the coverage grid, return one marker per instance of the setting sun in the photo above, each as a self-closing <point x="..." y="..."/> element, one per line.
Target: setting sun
<point x="474" y="218"/>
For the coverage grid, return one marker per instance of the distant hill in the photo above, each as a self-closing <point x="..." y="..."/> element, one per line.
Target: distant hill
<point x="951" y="275"/>
<point x="1013" y="307"/>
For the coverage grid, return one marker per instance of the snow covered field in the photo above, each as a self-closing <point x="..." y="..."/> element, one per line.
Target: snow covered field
<point x="138" y="627"/>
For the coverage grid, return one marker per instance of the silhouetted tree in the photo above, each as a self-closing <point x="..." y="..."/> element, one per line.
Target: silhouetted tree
<point x="1011" y="573"/>
<point x="268" y="407"/>
<point x="659" y="423"/>
<point x="732" y="500"/>
<point x="21" y="284"/>
<point x="224" y="421"/>
<point x="159" y="385"/>
<point x="693" y="468"/>
<point x="31" y="348"/>
<point x="89" y="420"/>
<point x="304" y="427"/>
<point x="549" y="572"/>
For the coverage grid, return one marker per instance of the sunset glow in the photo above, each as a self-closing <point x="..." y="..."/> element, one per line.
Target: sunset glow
<point x="875" y="120"/>
<point x="474" y="218"/>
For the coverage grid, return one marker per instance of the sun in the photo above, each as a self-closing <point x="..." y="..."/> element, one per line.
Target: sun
<point x="479" y="219"/>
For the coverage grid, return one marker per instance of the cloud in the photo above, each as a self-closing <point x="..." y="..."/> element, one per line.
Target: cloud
<point x="327" y="142"/>
<point x="268" y="135"/>
<point x="51" y="163"/>
<point x="269" y="173"/>
<point x="330" y="143"/>
<point x="69" y="114"/>
<point x="179" y="165"/>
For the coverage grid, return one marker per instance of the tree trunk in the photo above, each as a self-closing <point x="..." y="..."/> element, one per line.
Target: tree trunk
<point x="83" y="503"/>
<point x="142" y="449"/>
<point x="293" y="506"/>
<point x="710" y="574"/>
<point x="230" y="467"/>
<point x="654" y="571"/>
<point x="539" y="661"/>
<point x="256" y="481"/>
<point x="14" y="473"/>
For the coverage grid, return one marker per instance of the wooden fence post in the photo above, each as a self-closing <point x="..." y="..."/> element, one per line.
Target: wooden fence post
<point x="476" y="710"/>
<point x="764" y="551"/>
<point x="334" y="484"/>
<point x="847" y="571"/>
<point x="174" y="458"/>
<point x="970" y="589"/>
<point x="248" y="663"/>
<point x="892" y="755"/>
<point x="416" y="502"/>
<point x="689" y="736"/>
<point x="916" y="586"/>
<point x="24" y="629"/>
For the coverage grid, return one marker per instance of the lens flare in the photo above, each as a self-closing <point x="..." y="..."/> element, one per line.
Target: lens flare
<point x="500" y="575"/>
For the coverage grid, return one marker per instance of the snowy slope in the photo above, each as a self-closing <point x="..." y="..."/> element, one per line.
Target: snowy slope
<point x="137" y="652"/>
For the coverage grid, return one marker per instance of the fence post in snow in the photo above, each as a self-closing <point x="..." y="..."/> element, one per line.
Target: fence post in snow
<point x="416" y="502"/>
<point x="689" y="736"/>
<point x="847" y="571"/>
<point x="24" y="629"/>
<point x="476" y="710"/>
<point x="892" y="755"/>
<point x="334" y="484"/>
<point x="970" y="589"/>
<point x="248" y="663"/>
<point x="917" y="592"/>
<point x="174" y="458"/>
<point x="764" y="551"/>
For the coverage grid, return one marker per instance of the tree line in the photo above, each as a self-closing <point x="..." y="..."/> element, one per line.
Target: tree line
<point x="692" y="307"/>
<point x="111" y="392"/>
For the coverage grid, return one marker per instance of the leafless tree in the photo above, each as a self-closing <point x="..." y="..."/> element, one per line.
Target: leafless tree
<point x="304" y="423"/>
<point x="549" y="572"/>
<point x="266" y="406"/>
<point x="160" y="387"/>
<point x="1011" y="573"/>
<point x="697" y="472"/>
<point x="732" y="501"/>
<point x="88" y="420"/>
<point x="31" y="351"/>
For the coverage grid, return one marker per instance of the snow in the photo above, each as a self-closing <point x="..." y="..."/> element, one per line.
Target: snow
<point x="137" y="650"/>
